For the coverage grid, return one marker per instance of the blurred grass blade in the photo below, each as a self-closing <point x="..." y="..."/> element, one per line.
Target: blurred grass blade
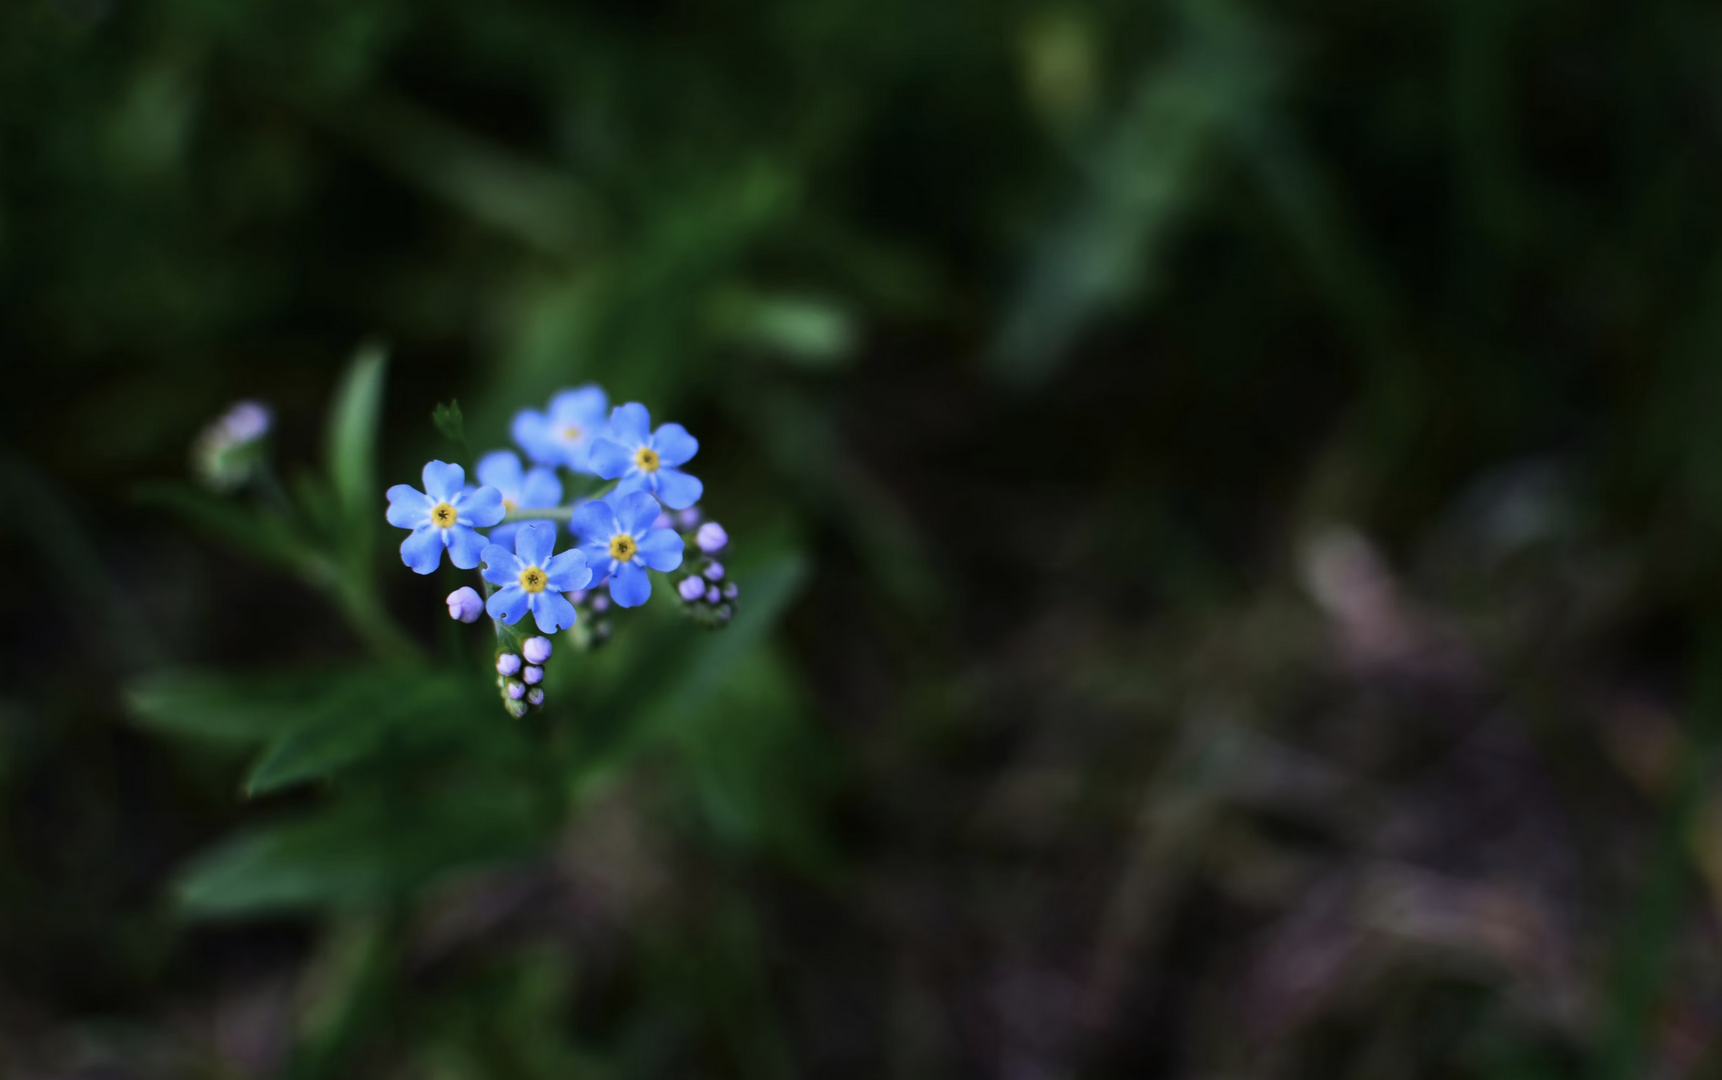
<point x="1139" y="184"/>
<point x="353" y="422"/>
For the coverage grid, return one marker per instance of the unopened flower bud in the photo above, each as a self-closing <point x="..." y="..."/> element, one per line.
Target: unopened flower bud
<point x="507" y="664"/>
<point x="516" y="709"/>
<point x="711" y="537"/>
<point x="714" y="572"/>
<point x="724" y="613"/>
<point x="246" y="421"/>
<point x="601" y="602"/>
<point x="578" y="596"/>
<point x="663" y="521"/>
<point x="515" y="689"/>
<point x="537" y="650"/>
<point x="691" y="589"/>
<point x="535" y="696"/>
<point x="712" y="595"/>
<point x="688" y="518"/>
<point x="730" y="592"/>
<point x="533" y="675"/>
<point x="464" y="604"/>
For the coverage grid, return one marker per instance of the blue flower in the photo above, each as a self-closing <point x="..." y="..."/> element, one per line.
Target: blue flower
<point x="617" y="537"/>
<point x="646" y="460"/>
<point x="565" y="435"/>
<point x="443" y="516"/>
<point x="531" y="578"/>
<point x="533" y="489"/>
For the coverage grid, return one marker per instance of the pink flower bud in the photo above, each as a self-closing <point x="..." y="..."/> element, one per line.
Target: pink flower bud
<point x="711" y="537"/>
<point x="464" y="604"/>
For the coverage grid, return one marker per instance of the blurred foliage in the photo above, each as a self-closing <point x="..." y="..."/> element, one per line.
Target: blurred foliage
<point x="1225" y="495"/>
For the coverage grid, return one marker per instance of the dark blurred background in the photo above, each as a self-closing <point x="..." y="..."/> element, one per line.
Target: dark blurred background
<point x="1233" y="493"/>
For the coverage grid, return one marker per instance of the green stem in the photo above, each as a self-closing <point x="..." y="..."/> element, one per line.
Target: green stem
<point x="548" y="513"/>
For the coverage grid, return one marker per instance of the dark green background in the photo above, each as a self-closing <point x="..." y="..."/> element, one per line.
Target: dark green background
<point x="1226" y="496"/>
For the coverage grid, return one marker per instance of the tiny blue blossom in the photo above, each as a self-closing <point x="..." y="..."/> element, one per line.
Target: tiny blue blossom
<point x="522" y="489"/>
<point x="646" y="460"/>
<point x="532" y="579"/>
<point x="443" y="515"/>
<point x="564" y="435"/>
<point x="618" y="539"/>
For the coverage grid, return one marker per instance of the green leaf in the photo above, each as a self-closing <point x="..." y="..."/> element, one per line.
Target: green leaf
<point x="353" y="422"/>
<point x="359" y="717"/>
<point x="376" y="845"/>
<point x="228" y="708"/>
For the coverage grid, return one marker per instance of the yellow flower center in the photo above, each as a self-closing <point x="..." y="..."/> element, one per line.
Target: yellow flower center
<point x="509" y="505"/>
<point x="647" y="459"/>
<point x="443" y="515"/>
<point x="532" y="579"/>
<point x="622" y="547"/>
<point x="572" y="432"/>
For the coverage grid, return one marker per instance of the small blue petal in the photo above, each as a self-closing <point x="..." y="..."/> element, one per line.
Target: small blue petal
<point x="583" y="406"/>
<point x="631" y="425"/>
<point x="500" y="565"/>
<point x="408" y="507"/>
<point x="534" y="542"/>
<point x="552" y="611"/>
<point x="674" y="445"/>
<point x="482" y="508"/>
<point x="632" y="481"/>
<point x="531" y="431"/>
<point x="636" y="511"/>
<point x="507" y="604"/>
<point x="677" y="489"/>
<point x="598" y="559"/>
<point x="443" y="481"/>
<point x="422" y="551"/>
<point x="504" y="534"/>
<point x="540" y="489"/>
<point x="630" y="587"/>
<point x="501" y="470"/>
<point x="568" y="571"/>
<point x="594" y="522"/>
<point x="464" y="546"/>
<point x="661" y="549"/>
<point x="609" y="459"/>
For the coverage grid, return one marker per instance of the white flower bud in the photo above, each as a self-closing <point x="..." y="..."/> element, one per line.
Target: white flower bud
<point x="533" y="675"/>
<point x="537" y="650"/>
<point x="464" y="604"/>
<point x="507" y="664"/>
<point x="711" y="537"/>
<point x="535" y="696"/>
<point x="691" y="589"/>
<point x="714" y="572"/>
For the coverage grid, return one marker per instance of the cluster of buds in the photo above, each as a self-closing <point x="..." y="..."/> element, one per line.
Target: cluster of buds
<point x="707" y="598"/>
<point x="520" y="676"/>
<point x="229" y="451"/>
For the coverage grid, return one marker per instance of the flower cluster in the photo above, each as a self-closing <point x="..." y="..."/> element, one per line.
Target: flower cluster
<point x="511" y="521"/>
